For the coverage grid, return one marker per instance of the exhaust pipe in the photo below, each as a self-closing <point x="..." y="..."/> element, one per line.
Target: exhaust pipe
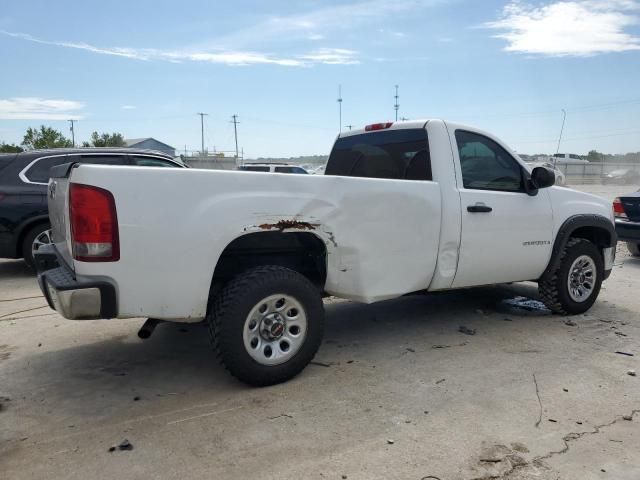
<point x="147" y="328"/>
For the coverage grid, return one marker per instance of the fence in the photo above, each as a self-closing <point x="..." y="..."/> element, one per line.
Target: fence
<point x="595" y="173"/>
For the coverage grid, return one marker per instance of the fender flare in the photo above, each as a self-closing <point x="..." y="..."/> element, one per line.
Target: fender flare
<point x="569" y="226"/>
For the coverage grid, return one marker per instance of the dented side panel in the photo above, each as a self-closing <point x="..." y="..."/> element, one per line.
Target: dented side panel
<point x="381" y="236"/>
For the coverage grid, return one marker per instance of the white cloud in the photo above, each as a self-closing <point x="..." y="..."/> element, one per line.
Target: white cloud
<point x="128" y="107"/>
<point x="329" y="56"/>
<point x="323" y="21"/>
<point x="35" y="108"/>
<point x="247" y="45"/>
<point x="569" y="28"/>
<point x="332" y="56"/>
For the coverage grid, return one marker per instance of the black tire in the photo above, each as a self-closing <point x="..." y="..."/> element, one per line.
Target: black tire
<point x="229" y="309"/>
<point x="634" y="249"/>
<point x="554" y="292"/>
<point x="27" y="242"/>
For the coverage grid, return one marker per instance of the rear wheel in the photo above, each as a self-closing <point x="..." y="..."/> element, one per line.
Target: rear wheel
<point x="266" y="325"/>
<point x="574" y="286"/>
<point x="33" y="240"/>
<point x="634" y="249"/>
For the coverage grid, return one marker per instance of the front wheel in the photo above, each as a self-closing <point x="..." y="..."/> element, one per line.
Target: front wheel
<point x="266" y="324"/>
<point x="574" y="286"/>
<point x="634" y="248"/>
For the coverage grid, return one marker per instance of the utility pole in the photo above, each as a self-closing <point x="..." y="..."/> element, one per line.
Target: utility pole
<point x="564" y="117"/>
<point x="403" y="119"/>
<point x="235" y="131"/>
<point x="349" y="127"/>
<point x="73" y="133"/>
<point x="340" y="107"/>
<point x="202" y="129"/>
<point x="396" y="106"/>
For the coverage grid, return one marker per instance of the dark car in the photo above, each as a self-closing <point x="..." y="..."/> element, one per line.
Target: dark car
<point x="24" y="219"/>
<point x="627" y="212"/>
<point x="622" y="176"/>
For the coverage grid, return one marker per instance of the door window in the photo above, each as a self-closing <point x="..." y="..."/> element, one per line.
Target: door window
<point x="151" y="162"/>
<point x="290" y="170"/>
<point x="253" y="168"/>
<point x="486" y="165"/>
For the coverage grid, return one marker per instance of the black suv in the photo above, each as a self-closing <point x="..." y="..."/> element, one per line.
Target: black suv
<point x="24" y="218"/>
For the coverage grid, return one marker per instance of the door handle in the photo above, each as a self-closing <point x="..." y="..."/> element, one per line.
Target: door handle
<point x="479" y="208"/>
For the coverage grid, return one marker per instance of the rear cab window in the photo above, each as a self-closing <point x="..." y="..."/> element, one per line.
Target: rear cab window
<point x="401" y="154"/>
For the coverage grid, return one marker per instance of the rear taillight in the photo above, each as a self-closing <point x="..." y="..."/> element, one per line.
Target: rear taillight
<point x="94" y="224"/>
<point x="377" y="126"/>
<point x="618" y="209"/>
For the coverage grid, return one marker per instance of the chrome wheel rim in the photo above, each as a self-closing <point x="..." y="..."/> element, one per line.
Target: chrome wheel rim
<point x="582" y="278"/>
<point x="275" y="329"/>
<point x="43" y="239"/>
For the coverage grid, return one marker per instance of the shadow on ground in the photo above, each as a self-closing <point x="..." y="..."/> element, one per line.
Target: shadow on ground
<point x="178" y="358"/>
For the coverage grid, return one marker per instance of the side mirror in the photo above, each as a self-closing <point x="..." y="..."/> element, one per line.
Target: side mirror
<point x="542" y="177"/>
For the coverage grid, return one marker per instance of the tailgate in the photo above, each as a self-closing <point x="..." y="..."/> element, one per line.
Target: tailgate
<point x="631" y="205"/>
<point x="58" y="200"/>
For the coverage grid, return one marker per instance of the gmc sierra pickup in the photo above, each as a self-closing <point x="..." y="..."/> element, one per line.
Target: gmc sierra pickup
<point x="403" y="207"/>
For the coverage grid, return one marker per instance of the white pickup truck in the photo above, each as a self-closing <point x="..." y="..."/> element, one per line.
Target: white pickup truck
<point x="404" y="207"/>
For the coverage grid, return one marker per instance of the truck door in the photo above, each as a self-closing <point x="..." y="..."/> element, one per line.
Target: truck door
<point x="506" y="233"/>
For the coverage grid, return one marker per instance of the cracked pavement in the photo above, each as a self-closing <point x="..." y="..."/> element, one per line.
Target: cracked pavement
<point x="396" y="392"/>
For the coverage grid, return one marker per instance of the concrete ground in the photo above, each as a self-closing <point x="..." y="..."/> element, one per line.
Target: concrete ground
<point x="396" y="391"/>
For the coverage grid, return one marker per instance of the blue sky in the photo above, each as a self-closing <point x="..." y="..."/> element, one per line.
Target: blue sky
<point x="145" y="68"/>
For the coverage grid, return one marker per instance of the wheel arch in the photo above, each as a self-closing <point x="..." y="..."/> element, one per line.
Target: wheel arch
<point x="595" y="228"/>
<point x="303" y="252"/>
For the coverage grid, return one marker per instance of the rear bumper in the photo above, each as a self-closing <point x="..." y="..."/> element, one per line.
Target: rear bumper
<point x="628" y="231"/>
<point x="71" y="298"/>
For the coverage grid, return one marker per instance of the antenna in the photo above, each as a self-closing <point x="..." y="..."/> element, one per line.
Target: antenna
<point x="564" y="117"/>
<point x="340" y="107"/>
<point x="396" y="106"/>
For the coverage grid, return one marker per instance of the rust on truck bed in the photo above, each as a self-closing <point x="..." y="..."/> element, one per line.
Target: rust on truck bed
<point x="289" y="224"/>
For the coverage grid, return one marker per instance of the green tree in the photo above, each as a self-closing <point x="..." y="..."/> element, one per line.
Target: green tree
<point x="10" y="148"/>
<point x="44" y="137"/>
<point x="105" y="140"/>
<point x="595" y="156"/>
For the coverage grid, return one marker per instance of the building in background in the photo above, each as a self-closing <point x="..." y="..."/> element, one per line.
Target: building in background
<point x="150" y="143"/>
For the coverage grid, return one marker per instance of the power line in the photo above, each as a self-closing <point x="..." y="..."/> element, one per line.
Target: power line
<point x="202" y="114"/>
<point x="564" y="117"/>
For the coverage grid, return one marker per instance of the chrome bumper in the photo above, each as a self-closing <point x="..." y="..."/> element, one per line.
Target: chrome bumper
<point x="71" y="298"/>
